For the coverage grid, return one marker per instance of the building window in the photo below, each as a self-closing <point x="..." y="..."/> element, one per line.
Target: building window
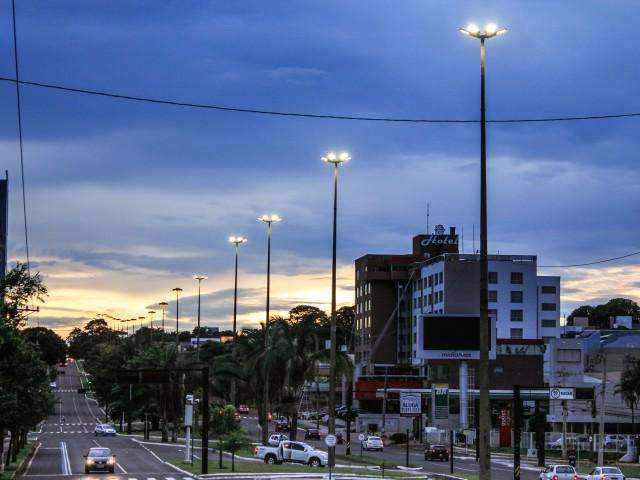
<point x="550" y="289"/>
<point x="430" y="299"/>
<point x="435" y="278"/>
<point x="441" y="295"/>
<point x="493" y="277"/>
<point x="493" y="296"/>
<point x="516" y="296"/>
<point x="415" y="337"/>
<point x="516" y="315"/>
<point x="493" y="313"/>
<point x="548" y="307"/>
<point x="430" y="281"/>
<point x="516" y="278"/>
<point x="516" y="333"/>
<point x="546" y="323"/>
<point x="440" y="277"/>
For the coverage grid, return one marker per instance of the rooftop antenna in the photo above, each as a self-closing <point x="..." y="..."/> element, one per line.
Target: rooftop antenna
<point x="427" y="217"/>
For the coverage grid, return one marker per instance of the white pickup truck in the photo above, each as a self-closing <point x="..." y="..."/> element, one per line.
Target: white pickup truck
<point x="292" y="452"/>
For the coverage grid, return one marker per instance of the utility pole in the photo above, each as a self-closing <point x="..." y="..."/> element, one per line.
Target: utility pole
<point x="564" y="428"/>
<point x="384" y="402"/>
<point x="602" y="411"/>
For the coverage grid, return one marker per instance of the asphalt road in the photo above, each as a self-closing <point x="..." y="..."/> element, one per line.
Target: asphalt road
<point x="464" y="463"/>
<point x="68" y="434"/>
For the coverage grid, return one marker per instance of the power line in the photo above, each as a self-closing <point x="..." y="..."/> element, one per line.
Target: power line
<point x="591" y="263"/>
<point x="177" y="103"/>
<point x="19" y="108"/>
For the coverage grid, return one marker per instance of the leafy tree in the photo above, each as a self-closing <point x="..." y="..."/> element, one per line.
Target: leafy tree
<point x="234" y="441"/>
<point x="20" y="289"/>
<point x="223" y="422"/>
<point x="599" y="315"/>
<point x="53" y="349"/>
<point x="629" y="388"/>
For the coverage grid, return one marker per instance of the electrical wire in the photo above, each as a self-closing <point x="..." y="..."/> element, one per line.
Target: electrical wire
<point x="605" y="260"/>
<point x="19" y="108"/>
<point x="176" y="103"/>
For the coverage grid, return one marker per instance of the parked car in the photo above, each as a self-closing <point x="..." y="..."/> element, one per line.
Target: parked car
<point x="104" y="430"/>
<point x="574" y="442"/>
<point x="559" y="472"/>
<point x="436" y="452"/>
<point x="275" y="439"/>
<point x="243" y="409"/>
<point x="99" y="458"/>
<point x="615" y="441"/>
<point x="312" y="434"/>
<point x="292" y="452"/>
<point x="372" y="442"/>
<point x="605" y="473"/>
<point x="282" y="425"/>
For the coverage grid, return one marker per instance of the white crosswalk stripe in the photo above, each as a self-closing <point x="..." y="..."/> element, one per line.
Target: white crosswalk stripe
<point x="169" y="478"/>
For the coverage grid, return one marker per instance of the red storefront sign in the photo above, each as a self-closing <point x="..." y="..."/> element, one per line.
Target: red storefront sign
<point x="505" y="427"/>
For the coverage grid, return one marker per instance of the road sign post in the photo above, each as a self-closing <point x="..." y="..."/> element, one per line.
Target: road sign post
<point x="330" y="441"/>
<point x="361" y="438"/>
<point x="517" y="420"/>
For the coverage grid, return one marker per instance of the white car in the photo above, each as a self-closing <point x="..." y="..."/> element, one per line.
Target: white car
<point x="53" y="385"/>
<point x="104" y="430"/>
<point x="275" y="439"/>
<point x="372" y="443"/>
<point x="559" y="472"/>
<point x="292" y="452"/>
<point x="605" y="473"/>
<point x="615" y="441"/>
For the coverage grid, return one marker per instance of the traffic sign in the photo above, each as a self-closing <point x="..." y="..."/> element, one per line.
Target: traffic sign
<point x="562" y="393"/>
<point x="330" y="441"/>
<point x="361" y="437"/>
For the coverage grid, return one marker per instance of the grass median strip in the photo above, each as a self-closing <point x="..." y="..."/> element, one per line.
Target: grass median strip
<point x="246" y="467"/>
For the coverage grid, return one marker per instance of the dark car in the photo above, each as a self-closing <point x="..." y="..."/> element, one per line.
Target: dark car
<point x="282" y="426"/>
<point x="99" y="458"/>
<point x="436" y="452"/>
<point x="311" y="434"/>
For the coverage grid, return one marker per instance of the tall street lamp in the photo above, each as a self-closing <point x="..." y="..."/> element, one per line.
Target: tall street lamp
<point x="163" y="306"/>
<point x="142" y="319"/>
<point x="133" y="325"/>
<point x="269" y="220"/>
<point x="199" y="278"/>
<point x="336" y="160"/>
<point x="484" y="423"/>
<point x="237" y="241"/>
<point x="151" y="313"/>
<point x="177" y="290"/>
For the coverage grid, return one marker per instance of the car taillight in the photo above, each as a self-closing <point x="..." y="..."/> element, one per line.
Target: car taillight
<point x="575" y="477"/>
<point x="255" y="451"/>
<point x="555" y="477"/>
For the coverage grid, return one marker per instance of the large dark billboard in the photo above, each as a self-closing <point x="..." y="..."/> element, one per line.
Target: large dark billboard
<point x="453" y="336"/>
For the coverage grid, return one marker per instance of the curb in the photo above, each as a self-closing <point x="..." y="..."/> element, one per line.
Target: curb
<point x="20" y="468"/>
<point x="184" y="472"/>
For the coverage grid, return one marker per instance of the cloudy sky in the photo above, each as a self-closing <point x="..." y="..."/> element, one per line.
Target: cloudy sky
<point x="127" y="200"/>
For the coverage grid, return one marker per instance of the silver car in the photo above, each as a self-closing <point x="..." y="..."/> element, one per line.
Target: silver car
<point x="559" y="472"/>
<point x="605" y="473"/>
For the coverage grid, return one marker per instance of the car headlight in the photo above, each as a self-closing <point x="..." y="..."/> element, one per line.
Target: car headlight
<point x="89" y="461"/>
<point x="111" y="461"/>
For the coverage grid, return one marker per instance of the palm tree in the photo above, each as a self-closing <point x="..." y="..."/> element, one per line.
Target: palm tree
<point x="629" y="388"/>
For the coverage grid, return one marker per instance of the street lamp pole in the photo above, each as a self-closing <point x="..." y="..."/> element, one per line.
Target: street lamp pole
<point x="237" y="241"/>
<point x="177" y="290"/>
<point x="336" y="161"/>
<point x="163" y="306"/>
<point x="484" y="424"/>
<point x="269" y="220"/>
<point x="199" y="278"/>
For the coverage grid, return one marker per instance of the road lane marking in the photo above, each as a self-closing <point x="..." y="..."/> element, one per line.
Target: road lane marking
<point x="66" y="465"/>
<point x="35" y="452"/>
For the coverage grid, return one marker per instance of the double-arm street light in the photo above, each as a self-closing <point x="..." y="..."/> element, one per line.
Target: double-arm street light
<point x="151" y="313"/>
<point x="163" y="306"/>
<point x="484" y="423"/>
<point x="336" y="160"/>
<point x="199" y="278"/>
<point x="177" y="290"/>
<point x="236" y="241"/>
<point x="269" y="220"/>
<point x="133" y="325"/>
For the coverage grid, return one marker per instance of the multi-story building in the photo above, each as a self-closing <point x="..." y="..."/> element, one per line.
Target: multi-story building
<point x="524" y="304"/>
<point x="383" y="307"/>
